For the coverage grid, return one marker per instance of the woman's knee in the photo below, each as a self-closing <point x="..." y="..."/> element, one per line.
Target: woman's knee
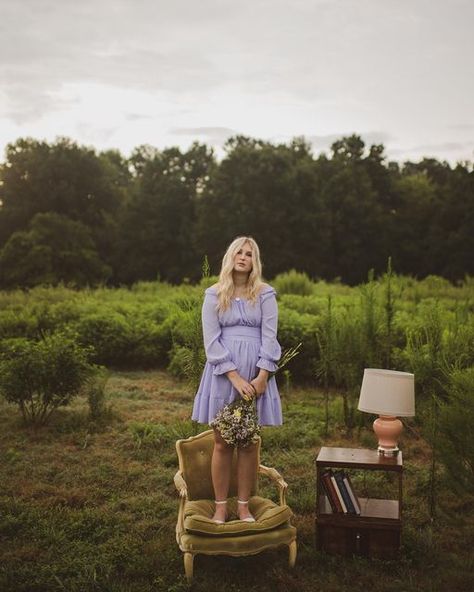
<point x="247" y="450"/>
<point x="220" y="444"/>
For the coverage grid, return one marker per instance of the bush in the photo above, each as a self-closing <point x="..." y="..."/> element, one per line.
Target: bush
<point x="293" y="282"/>
<point x="302" y="304"/>
<point x="108" y="333"/>
<point x="40" y="376"/>
<point x="294" y="328"/>
<point x="187" y="357"/>
<point x="148" y="345"/>
<point x="456" y="421"/>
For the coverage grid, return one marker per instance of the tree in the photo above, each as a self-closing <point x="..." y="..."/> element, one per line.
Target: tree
<point x="156" y="225"/>
<point x="455" y="223"/>
<point x="159" y="213"/>
<point x="349" y="148"/>
<point x="64" y="178"/>
<point x="264" y="191"/>
<point x="354" y="212"/>
<point x="414" y="225"/>
<point x="54" y="249"/>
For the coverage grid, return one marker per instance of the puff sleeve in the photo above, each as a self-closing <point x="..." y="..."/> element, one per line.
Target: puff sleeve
<point x="216" y="354"/>
<point x="270" y="350"/>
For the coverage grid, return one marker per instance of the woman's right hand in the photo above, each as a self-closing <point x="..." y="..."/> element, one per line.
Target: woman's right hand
<point x="245" y="389"/>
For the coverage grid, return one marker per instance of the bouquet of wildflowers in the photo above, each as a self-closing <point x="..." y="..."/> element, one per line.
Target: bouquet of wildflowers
<point x="238" y="422"/>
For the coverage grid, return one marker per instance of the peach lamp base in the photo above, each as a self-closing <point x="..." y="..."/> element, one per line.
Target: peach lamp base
<point x="388" y="428"/>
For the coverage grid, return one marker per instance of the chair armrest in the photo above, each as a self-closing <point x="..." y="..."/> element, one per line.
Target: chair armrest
<point x="183" y="494"/>
<point x="278" y="479"/>
<point x="181" y="484"/>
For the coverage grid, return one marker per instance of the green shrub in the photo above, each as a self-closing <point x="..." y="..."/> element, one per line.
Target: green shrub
<point x="148" y="344"/>
<point x="40" y="376"/>
<point x="154" y="324"/>
<point x="187" y="357"/>
<point x="208" y="281"/>
<point x="302" y="304"/>
<point x="294" y="328"/>
<point x="18" y="322"/>
<point x="179" y="359"/>
<point x="293" y="282"/>
<point x="456" y="421"/>
<point x="109" y="334"/>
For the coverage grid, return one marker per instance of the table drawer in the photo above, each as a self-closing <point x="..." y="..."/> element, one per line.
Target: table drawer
<point x="369" y="542"/>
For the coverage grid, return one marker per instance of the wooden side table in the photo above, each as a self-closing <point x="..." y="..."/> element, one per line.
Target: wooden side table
<point x="376" y="532"/>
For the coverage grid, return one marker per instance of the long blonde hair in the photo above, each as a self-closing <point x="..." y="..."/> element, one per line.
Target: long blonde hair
<point x="225" y="285"/>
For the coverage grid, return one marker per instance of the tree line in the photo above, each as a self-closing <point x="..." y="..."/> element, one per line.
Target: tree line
<point x="74" y="215"/>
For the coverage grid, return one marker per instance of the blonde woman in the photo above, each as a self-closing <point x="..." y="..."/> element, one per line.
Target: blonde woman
<point x="239" y="319"/>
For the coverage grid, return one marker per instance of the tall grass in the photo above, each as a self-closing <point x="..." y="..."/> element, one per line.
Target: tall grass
<point x="389" y="308"/>
<point x="325" y="364"/>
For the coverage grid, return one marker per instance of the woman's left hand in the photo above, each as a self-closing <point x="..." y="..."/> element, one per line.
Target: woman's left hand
<point x="260" y="384"/>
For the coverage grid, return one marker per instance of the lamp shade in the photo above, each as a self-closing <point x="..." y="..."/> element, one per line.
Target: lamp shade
<point x="387" y="392"/>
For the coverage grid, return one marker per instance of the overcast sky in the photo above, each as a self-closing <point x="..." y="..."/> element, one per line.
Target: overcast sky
<point x="120" y="73"/>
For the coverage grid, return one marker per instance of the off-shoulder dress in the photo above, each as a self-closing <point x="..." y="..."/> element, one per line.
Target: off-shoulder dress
<point x="242" y="338"/>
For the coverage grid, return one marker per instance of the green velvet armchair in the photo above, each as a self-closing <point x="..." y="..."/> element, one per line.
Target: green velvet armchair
<point x="197" y="533"/>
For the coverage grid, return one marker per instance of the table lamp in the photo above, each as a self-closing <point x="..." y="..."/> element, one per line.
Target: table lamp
<point x="388" y="393"/>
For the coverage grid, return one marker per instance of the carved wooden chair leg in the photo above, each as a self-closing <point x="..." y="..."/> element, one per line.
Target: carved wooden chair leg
<point x="292" y="554"/>
<point x="188" y="566"/>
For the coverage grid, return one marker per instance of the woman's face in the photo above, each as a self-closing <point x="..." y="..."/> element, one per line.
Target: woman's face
<point x="243" y="259"/>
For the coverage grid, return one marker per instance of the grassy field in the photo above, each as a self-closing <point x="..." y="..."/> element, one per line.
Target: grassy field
<point x="88" y="506"/>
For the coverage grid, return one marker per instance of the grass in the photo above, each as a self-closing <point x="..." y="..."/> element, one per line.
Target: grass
<point x="87" y="506"/>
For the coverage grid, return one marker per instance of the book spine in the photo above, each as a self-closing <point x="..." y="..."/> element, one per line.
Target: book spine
<point x="339" y="495"/>
<point x="331" y="495"/>
<point x="353" y="496"/>
<point x="345" y="494"/>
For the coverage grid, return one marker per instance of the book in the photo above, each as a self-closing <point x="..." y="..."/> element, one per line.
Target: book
<point x="330" y="492"/>
<point x="338" y="492"/>
<point x="350" y="490"/>
<point x="339" y="476"/>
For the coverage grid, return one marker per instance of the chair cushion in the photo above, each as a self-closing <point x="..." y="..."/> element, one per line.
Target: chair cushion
<point x="268" y="515"/>
<point x="250" y="544"/>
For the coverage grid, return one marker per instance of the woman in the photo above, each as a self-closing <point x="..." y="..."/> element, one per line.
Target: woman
<point x="239" y="318"/>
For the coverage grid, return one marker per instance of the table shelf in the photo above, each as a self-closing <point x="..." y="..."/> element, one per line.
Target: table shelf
<point x="377" y="530"/>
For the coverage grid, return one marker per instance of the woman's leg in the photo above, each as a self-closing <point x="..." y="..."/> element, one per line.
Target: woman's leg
<point x="246" y="473"/>
<point x="221" y="465"/>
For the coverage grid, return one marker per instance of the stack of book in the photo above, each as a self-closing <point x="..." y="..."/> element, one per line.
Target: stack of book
<point x="340" y="493"/>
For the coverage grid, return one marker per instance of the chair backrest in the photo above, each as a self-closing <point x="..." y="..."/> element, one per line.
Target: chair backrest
<point x="194" y="455"/>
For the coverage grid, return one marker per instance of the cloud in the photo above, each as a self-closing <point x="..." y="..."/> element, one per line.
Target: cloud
<point x="216" y="136"/>
<point x="34" y="89"/>
<point x="305" y="49"/>
<point x="136" y="116"/>
<point x="444" y="147"/>
<point x="322" y="142"/>
<point x="46" y="45"/>
<point x="96" y="134"/>
<point x="439" y="147"/>
<point x="462" y="127"/>
<point x="25" y="102"/>
<point x="257" y="65"/>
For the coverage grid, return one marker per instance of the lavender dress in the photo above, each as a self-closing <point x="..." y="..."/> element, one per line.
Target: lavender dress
<point x="243" y="338"/>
